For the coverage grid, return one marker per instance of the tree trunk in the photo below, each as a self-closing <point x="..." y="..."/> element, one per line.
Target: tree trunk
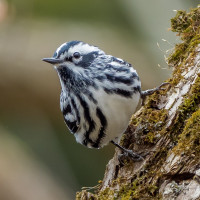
<point x="167" y="127"/>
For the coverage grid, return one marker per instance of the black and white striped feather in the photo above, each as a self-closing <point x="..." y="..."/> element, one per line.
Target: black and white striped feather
<point x="99" y="93"/>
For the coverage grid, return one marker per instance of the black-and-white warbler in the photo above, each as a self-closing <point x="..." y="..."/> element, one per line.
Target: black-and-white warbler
<point x="99" y="93"/>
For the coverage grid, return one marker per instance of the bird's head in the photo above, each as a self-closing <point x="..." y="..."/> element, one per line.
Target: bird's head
<point x="74" y="54"/>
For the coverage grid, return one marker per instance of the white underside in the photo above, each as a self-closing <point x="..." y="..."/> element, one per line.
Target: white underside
<point x="117" y="110"/>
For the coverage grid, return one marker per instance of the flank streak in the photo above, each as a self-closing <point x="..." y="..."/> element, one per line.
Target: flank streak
<point x="103" y="121"/>
<point x="88" y="118"/>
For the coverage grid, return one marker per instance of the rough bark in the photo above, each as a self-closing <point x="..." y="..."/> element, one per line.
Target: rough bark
<point x="167" y="127"/>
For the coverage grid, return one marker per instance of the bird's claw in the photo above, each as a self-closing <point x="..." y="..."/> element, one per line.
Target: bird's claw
<point x="163" y="84"/>
<point x="134" y="156"/>
<point x="129" y="154"/>
<point x="146" y="93"/>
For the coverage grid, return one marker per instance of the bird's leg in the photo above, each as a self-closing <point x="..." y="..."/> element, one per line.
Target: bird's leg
<point x="130" y="153"/>
<point x="146" y="93"/>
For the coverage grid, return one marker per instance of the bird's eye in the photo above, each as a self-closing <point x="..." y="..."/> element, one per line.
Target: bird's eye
<point x="76" y="55"/>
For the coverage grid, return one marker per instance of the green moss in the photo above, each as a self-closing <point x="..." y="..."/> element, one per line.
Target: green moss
<point x="187" y="27"/>
<point x="150" y="115"/>
<point x="139" y="188"/>
<point x="153" y="121"/>
<point x="150" y="137"/>
<point x="130" y="191"/>
<point x="85" y="195"/>
<point x="180" y="22"/>
<point x="186" y="24"/>
<point x="190" y="105"/>
<point x="184" y="133"/>
<point x="178" y="55"/>
<point x="106" y="194"/>
<point x="189" y="139"/>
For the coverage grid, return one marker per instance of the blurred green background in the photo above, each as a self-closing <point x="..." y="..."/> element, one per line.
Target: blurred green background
<point x="39" y="158"/>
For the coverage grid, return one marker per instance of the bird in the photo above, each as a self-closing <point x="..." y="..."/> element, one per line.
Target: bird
<point x="99" y="94"/>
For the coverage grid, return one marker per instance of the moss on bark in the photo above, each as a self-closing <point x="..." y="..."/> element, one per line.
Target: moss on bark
<point x="169" y="132"/>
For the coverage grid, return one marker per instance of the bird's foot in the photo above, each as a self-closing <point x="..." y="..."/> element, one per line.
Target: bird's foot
<point x="127" y="153"/>
<point x="146" y="93"/>
<point x="130" y="155"/>
<point x="134" y="156"/>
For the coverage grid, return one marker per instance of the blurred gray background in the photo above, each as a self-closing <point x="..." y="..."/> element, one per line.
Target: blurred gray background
<point x="39" y="158"/>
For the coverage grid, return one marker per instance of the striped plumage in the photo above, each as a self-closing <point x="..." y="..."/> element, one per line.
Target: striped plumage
<point x="99" y="92"/>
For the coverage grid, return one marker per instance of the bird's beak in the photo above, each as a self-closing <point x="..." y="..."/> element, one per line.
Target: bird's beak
<point x="52" y="60"/>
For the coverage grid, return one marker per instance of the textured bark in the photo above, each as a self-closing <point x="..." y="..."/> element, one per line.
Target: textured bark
<point x="167" y="127"/>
